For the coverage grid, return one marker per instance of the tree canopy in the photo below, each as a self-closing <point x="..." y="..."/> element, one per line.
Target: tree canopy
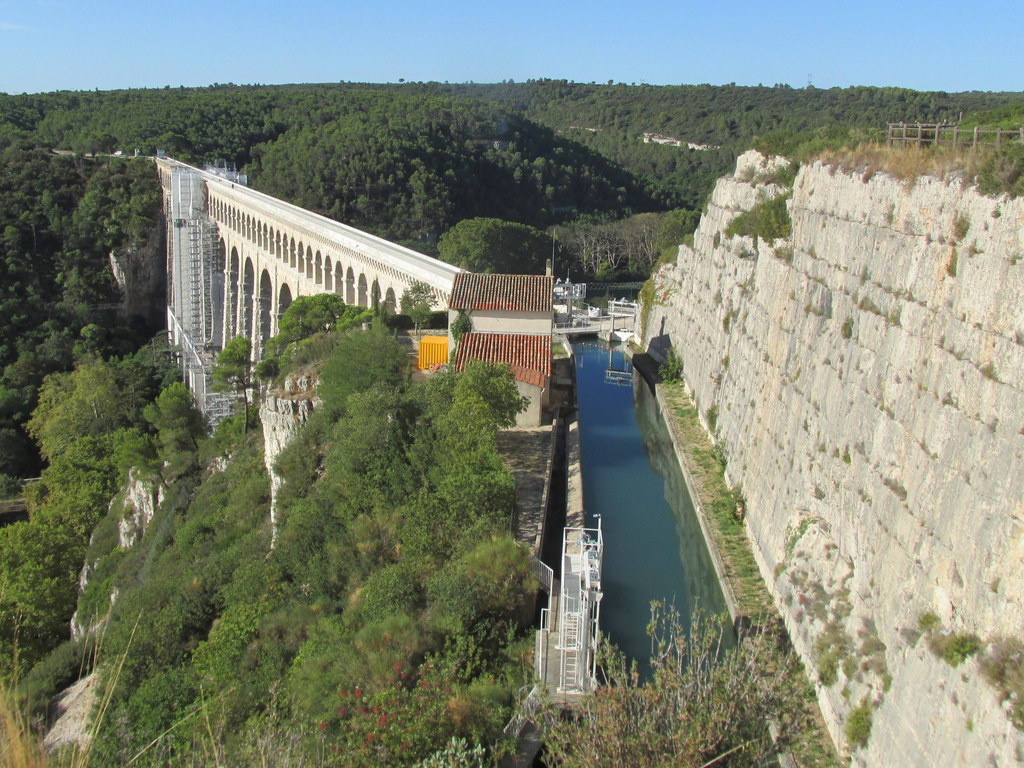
<point x="417" y="302"/>
<point x="233" y="371"/>
<point x="494" y="245"/>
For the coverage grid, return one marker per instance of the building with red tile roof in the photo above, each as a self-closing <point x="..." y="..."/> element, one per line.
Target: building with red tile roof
<point x="528" y="355"/>
<point x="504" y="303"/>
<point x="474" y="291"/>
<point x="511" y="319"/>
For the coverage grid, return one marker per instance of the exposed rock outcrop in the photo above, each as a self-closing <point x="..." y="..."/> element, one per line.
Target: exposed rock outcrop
<point x="864" y="379"/>
<point x="282" y="414"/>
<point x="71" y="710"/>
<point x="134" y="508"/>
<point x="141" y="274"/>
<point x="139" y="501"/>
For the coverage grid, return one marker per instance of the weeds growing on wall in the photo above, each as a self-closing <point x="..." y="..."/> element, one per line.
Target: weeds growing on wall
<point x="1003" y="173"/>
<point x="768" y="220"/>
<point x="858" y="724"/>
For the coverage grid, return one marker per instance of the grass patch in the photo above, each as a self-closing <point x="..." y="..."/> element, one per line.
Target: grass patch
<point x="768" y="220"/>
<point x="858" y="724"/>
<point x="707" y="469"/>
<point x="906" y="163"/>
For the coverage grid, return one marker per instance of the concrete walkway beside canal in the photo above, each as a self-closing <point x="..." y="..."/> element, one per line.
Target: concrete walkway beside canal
<point x="528" y="452"/>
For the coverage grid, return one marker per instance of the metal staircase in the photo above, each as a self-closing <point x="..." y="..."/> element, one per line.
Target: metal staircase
<point x="576" y="611"/>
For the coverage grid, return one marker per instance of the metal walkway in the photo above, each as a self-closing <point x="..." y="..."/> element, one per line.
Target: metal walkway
<point x="566" y="643"/>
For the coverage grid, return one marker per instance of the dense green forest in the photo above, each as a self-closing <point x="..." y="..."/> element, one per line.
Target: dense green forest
<point x="410" y="161"/>
<point x="75" y="374"/>
<point x="388" y="616"/>
<point x="60" y="218"/>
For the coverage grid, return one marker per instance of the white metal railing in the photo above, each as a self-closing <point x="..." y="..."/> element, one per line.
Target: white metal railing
<point x="540" y="651"/>
<point x="525" y="708"/>
<point x="623" y="307"/>
<point x="543" y="572"/>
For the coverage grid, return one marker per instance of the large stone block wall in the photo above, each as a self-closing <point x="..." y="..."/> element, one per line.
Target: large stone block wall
<point x="864" y="378"/>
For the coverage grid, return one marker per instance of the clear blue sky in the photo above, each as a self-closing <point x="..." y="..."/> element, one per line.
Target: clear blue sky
<point x="48" y="45"/>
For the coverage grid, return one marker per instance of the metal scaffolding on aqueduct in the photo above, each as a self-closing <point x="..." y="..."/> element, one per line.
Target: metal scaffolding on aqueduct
<point x="195" y="290"/>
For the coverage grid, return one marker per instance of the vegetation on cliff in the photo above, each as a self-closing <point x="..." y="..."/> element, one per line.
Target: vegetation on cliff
<point x="388" y="617"/>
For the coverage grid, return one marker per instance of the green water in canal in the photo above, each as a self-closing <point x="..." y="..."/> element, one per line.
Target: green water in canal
<point x="654" y="549"/>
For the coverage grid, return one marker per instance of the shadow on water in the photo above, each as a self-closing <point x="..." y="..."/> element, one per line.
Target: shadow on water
<point x="654" y="549"/>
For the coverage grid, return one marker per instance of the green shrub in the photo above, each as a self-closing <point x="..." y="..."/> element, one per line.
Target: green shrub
<point x="858" y="724"/>
<point x="391" y="590"/>
<point x="10" y="487"/>
<point x="712" y="418"/>
<point x="768" y="220"/>
<point x="928" y="621"/>
<point x="961" y="226"/>
<point x="954" y="649"/>
<point x="462" y="324"/>
<point x="268" y="369"/>
<point x="1003" y="668"/>
<point x="1003" y="173"/>
<point x="672" y="368"/>
<point x="61" y="667"/>
<point x="830" y="650"/>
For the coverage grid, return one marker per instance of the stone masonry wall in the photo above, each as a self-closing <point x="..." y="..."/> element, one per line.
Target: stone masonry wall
<point x="864" y="379"/>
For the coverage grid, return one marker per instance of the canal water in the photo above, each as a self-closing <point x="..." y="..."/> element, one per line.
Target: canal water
<point x="654" y="549"/>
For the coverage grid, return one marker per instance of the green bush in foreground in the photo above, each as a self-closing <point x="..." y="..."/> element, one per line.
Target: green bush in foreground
<point x="706" y="703"/>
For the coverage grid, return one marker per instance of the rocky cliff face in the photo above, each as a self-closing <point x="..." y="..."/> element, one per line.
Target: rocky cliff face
<point x="141" y="274"/>
<point x="282" y="414"/>
<point x="864" y="378"/>
<point x="133" y="508"/>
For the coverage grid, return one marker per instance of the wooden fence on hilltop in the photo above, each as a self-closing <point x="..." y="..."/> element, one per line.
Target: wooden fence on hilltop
<point x="933" y="134"/>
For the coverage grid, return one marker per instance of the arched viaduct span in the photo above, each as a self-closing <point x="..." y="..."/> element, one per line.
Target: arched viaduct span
<point x="271" y="252"/>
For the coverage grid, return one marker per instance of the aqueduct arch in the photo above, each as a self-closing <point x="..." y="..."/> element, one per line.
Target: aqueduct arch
<point x="264" y="253"/>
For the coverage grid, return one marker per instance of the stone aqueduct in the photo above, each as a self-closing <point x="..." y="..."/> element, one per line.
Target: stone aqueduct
<point x="269" y="252"/>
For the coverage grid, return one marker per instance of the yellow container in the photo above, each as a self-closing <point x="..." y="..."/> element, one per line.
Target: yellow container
<point x="433" y="352"/>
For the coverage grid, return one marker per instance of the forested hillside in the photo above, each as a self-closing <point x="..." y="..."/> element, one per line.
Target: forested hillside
<point x="612" y="119"/>
<point x="406" y="164"/>
<point x="410" y="161"/>
<point x="76" y="373"/>
<point x="60" y="219"/>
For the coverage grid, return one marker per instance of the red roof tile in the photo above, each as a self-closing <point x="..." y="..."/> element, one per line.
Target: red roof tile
<point x="516" y="293"/>
<point x="529" y="356"/>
